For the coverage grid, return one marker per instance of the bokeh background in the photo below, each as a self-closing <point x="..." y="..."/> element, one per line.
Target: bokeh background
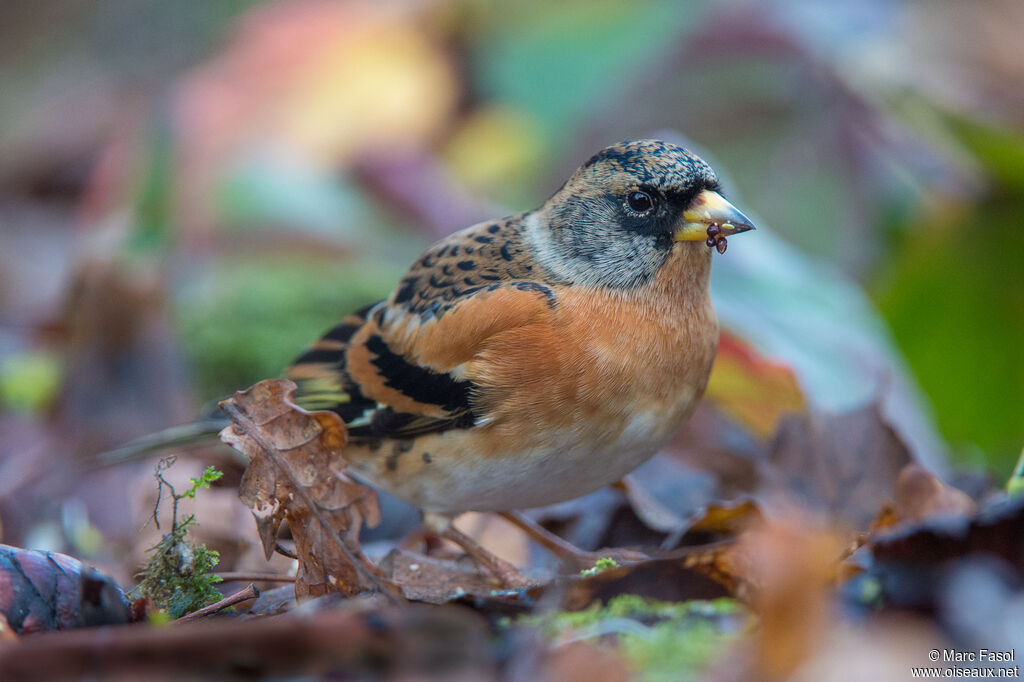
<point x="191" y="191"/>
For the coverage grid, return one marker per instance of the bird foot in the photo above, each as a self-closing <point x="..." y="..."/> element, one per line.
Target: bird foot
<point x="505" y="573"/>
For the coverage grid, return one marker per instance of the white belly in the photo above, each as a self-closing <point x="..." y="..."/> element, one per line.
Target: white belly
<point x="561" y="468"/>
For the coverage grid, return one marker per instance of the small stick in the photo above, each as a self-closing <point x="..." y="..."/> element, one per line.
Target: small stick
<point x="256" y="577"/>
<point x="249" y="592"/>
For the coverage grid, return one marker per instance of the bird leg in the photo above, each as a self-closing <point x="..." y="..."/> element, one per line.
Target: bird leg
<point x="564" y="550"/>
<point x="506" y="573"/>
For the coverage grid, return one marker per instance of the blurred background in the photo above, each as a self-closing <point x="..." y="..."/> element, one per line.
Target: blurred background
<point x="191" y="192"/>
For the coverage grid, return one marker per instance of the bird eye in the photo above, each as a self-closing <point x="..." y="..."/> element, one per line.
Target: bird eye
<point x="641" y="202"/>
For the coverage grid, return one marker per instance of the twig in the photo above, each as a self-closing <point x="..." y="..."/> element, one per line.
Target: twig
<point x="249" y="592"/>
<point x="256" y="577"/>
<point x="362" y="565"/>
<point x="163" y="465"/>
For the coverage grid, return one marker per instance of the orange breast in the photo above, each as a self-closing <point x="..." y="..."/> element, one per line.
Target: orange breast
<point x="604" y="357"/>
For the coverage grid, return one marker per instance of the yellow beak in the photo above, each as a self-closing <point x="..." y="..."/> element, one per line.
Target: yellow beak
<point x="709" y="208"/>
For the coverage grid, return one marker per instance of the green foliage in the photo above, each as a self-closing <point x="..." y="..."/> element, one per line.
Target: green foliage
<point x="540" y="56"/>
<point x="154" y="206"/>
<point x="661" y="640"/>
<point x="29" y="382"/>
<point x="951" y="293"/>
<point x="247" y="321"/>
<point x="204" y="481"/>
<point x="1015" y="486"/>
<point x="953" y="299"/>
<point x="603" y="564"/>
<point x="178" y="578"/>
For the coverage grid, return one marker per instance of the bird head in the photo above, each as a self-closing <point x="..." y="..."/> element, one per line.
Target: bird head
<point x="626" y="211"/>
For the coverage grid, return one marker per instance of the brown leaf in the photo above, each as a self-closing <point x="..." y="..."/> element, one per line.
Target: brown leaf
<point x="42" y="591"/>
<point x="296" y="472"/>
<point x="790" y="566"/>
<point x="997" y="530"/>
<point x="912" y="562"/>
<point x="795" y="569"/>
<point x="921" y="494"/>
<point x="648" y="509"/>
<point x="432" y="580"/>
<point x="727" y="518"/>
<point x="844" y="465"/>
<point x="683" y="575"/>
<point x="715" y="520"/>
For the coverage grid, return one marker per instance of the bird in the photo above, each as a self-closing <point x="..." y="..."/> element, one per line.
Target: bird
<point x="535" y="358"/>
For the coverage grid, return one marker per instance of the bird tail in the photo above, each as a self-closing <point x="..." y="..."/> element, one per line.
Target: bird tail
<point x="202" y="432"/>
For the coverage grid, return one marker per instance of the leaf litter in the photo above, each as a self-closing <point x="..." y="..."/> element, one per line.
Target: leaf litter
<point x="751" y="586"/>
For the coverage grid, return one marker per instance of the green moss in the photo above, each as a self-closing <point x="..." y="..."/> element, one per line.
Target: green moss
<point x="661" y="640"/>
<point x="672" y="651"/>
<point x="179" y="578"/>
<point x="603" y="564"/>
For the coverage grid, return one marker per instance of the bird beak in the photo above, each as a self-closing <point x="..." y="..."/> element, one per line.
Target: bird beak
<point x="709" y="208"/>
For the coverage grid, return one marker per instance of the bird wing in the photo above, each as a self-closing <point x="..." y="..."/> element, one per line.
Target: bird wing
<point x="405" y="366"/>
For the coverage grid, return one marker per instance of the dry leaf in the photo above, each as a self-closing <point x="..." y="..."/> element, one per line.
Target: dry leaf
<point x="648" y="509"/>
<point x="921" y="494"/>
<point x="432" y="580"/>
<point x="843" y="465"/>
<point x="751" y="389"/>
<point x="296" y="472"/>
<point x="996" y="531"/>
<point x="795" y="570"/>
<point x="42" y="591"/>
<point x="727" y="518"/>
<point x="704" y="573"/>
<point x="791" y="567"/>
<point x="715" y="520"/>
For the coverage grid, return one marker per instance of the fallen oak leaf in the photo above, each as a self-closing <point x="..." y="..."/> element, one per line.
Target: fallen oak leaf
<point x="296" y="472"/>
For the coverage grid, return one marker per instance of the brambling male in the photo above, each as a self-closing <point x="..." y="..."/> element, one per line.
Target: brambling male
<point x="536" y="358"/>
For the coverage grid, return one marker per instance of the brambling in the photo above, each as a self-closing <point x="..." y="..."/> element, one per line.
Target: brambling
<point x="536" y="358"/>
